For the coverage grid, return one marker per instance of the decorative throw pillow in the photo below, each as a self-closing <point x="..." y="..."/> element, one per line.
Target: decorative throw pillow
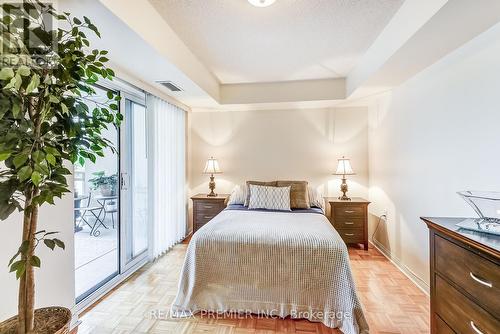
<point x="258" y="183"/>
<point x="270" y="198"/>
<point x="315" y="198"/>
<point x="299" y="198"/>
<point x="238" y="195"/>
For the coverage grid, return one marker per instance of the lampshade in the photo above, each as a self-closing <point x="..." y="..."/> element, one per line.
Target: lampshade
<point x="212" y="167"/>
<point x="261" y="3"/>
<point x="344" y="167"/>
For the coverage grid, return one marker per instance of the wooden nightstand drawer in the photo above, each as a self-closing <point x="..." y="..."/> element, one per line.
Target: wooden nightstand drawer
<point x="348" y="222"/>
<point x="205" y="208"/>
<point x="350" y="219"/>
<point x="349" y="210"/>
<point x="203" y="218"/>
<point x="354" y="235"/>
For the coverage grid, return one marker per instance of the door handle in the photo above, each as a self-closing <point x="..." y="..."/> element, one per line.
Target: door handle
<point x="124" y="181"/>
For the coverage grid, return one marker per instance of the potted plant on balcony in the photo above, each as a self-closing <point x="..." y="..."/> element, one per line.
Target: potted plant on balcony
<point x="46" y="122"/>
<point x="106" y="185"/>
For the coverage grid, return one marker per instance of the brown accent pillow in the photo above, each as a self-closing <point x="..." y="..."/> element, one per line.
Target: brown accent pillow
<point x="257" y="183"/>
<point x="299" y="196"/>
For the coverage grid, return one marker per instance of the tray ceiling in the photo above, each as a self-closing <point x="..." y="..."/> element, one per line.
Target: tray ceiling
<point x="290" y="40"/>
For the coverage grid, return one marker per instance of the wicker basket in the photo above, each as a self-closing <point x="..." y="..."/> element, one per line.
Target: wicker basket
<point x="48" y="320"/>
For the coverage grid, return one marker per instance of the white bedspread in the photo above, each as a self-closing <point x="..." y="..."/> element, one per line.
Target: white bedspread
<point x="274" y="263"/>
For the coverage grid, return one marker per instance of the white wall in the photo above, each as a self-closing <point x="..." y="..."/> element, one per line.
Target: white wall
<point x="429" y="138"/>
<point x="279" y="144"/>
<point x="55" y="279"/>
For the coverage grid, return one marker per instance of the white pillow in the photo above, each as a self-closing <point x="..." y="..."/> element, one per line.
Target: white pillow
<point x="238" y="195"/>
<point x="270" y="198"/>
<point x="315" y="198"/>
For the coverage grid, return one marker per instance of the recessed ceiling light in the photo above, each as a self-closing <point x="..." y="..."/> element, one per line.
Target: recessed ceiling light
<point x="261" y="3"/>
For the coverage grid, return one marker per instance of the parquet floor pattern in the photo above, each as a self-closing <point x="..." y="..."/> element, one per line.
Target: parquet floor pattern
<point x="392" y="303"/>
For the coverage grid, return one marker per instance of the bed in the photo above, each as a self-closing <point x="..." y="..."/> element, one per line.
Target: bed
<point x="275" y="263"/>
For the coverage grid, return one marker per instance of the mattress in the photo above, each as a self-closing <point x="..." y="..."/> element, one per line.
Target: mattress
<point x="274" y="263"/>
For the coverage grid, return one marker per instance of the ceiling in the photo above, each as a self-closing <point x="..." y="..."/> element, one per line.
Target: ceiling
<point x="290" y="40"/>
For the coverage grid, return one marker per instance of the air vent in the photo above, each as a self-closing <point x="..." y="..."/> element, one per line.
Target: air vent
<point x="170" y="85"/>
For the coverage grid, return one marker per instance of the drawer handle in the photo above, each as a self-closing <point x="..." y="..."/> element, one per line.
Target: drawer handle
<point x="480" y="281"/>
<point x="473" y="325"/>
<point x="349" y="223"/>
<point x="349" y="211"/>
<point x="349" y="234"/>
<point x="208" y="206"/>
<point x="208" y="217"/>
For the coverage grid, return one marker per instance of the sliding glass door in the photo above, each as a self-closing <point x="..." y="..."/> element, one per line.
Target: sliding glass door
<point x="111" y="201"/>
<point x="96" y="214"/>
<point x="135" y="181"/>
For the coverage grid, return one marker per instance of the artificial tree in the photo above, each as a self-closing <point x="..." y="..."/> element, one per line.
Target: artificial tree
<point x="47" y="121"/>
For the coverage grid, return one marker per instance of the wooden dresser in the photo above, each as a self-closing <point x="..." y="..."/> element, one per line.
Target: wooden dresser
<point x="205" y="208"/>
<point x="350" y="219"/>
<point x="465" y="279"/>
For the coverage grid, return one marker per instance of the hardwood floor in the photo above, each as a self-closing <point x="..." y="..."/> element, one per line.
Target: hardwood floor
<point x="392" y="303"/>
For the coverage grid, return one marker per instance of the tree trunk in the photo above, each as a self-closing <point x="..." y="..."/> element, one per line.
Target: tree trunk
<point x="21" y="308"/>
<point x="30" y="274"/>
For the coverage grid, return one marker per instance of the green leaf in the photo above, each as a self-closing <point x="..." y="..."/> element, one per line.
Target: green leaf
<point x="6" y="73"/>
<point x="36" y="178"/>
<point x="14" y="266"/>
<point x="49" y="243"/>
<point x="53" y="99"/>
<point x="6" y="210"/>
<point x="51" y="150"/>
<point x="24" y="173"/>
<point x="20" y="159"/>
<point x="38" y="156"/>
<point x="24" y="247"/>
<point x="76" y="21"/>
<point x="19" y="267"/>
<point x="16" y="110"/>
<point x="59" y="243"/>
<point x="20" y="271"/>
<point x="23" y="70"/>
<point x="35" y="81"/>
<point x="4" y="156"/>
<point x="64" y="109"/>
<point x="109" y="94"/>
<point x="51" y="159"/>
<point x="35" y="261"/>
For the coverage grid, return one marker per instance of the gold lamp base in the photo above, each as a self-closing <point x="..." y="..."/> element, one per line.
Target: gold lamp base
<point x="211" y="186"/>
<point x="344" y="188"/>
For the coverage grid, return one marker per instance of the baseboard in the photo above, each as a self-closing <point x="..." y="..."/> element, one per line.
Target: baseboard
<point x="420" y="283"/>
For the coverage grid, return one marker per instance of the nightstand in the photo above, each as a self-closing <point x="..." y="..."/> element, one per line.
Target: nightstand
<point x="205" y="208"/>
<point x="350" y="219"/>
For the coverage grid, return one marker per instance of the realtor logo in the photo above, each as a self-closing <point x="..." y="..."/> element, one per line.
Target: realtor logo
<point x="28" y="34"/>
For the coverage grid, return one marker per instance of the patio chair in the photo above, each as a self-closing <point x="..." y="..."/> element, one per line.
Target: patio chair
<point x="82" y="211"/>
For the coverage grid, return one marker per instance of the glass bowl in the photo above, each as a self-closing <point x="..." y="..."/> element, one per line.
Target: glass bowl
<point x="485" y="203"/>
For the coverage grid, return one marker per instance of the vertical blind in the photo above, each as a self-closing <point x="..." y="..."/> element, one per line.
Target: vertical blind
<point x="167" y="172"/>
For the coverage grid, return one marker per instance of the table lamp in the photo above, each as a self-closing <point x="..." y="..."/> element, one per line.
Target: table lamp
<point x="344" y="168"/>
<point x="212" y="167"/>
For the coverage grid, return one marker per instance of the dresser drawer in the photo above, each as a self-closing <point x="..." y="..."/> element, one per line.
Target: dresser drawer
<point x="348" y="222"/>
<point x="475" y="274"/>
<point x="466" y="316"/>
<point x="348" y="211"/>
<point x="352" y="235"/>
<point x="442" y="327"/>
